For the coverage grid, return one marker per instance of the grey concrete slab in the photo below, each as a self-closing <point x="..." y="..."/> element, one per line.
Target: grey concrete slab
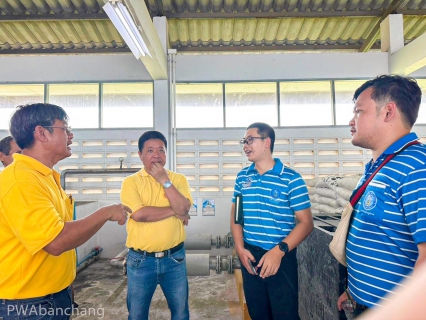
<point x="100" y="291"/>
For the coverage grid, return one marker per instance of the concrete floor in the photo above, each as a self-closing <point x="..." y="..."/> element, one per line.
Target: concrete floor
<point x="100" y="291"/>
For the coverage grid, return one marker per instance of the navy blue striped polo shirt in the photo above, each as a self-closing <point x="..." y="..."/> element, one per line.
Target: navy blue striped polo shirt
<point x="269" y="203"/>
<point x="389" y="221"/>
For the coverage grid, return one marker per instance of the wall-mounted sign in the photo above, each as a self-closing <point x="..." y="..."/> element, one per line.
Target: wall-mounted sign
<point x="208" y="207"/>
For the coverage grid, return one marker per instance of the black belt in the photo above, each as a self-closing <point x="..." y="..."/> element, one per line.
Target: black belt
<point x="160" y="254"/>
<point x="254" y="248"/>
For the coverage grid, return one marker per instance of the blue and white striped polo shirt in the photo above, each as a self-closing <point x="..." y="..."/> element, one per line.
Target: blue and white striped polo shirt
<point x="269" y="203"/>
<point x="389" y="221"/>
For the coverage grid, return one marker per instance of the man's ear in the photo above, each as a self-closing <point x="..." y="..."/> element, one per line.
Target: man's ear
<point x="390" y="111"/>
<point x="40" y="133"/>
<point x="268" y="142"/>
<point x="2" y="155"/>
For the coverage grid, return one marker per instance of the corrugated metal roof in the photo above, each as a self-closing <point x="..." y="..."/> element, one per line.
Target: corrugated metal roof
<point x="37" y="26"/>
<point x="341" y="7"/>
<point x="282" y="31"/>
<point x="17" y="7"/>
<point x="279" y="31"/>
<point x="59" y="35"/>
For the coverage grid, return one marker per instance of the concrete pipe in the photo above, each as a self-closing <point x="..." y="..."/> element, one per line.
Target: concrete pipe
<point x="118" y="260"/>
<point x="198" y="264"/>
<point x="199" y="242"/>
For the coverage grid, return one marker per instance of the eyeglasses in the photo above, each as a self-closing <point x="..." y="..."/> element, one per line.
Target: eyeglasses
<point x="68" y="130"/>
<point x="249" y="140"/>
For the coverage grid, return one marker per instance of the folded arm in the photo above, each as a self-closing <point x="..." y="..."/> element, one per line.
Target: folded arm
<point x="152" y="214"/>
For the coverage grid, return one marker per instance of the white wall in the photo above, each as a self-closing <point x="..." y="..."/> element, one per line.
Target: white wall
<point x="203" y="67"/>
<point x="77" y="68"/>
<point x="253" y="67"/>
<point x="111" y="237"/>
<point x="421" y="73"/>
<point x="83" y="210"/>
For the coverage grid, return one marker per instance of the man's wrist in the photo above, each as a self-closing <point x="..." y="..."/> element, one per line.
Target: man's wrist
<point x="167" y="184"/>
<point x="104" y="213"/>
<point x="277" y="250"/>
<point x="283" y="247"/>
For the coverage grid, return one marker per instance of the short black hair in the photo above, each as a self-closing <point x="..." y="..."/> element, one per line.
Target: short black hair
<point x="27" y="117"/>
<point x="5" y="145"/>
<point x="149" y="135"/>
<point x="265" y="131"/>
<point x="403" y="91"/>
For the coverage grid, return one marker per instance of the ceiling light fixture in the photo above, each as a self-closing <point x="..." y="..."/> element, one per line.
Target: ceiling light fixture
<point x="123" y="22"/>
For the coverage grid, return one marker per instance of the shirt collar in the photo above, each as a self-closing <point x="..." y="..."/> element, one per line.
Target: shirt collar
<point x="33" y="163"/>
<point x="277" y="169"/>
<point x="401" y="143"/>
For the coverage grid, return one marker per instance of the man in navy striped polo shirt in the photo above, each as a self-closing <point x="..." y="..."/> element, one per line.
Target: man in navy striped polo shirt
<point x="273" y="196"/>
<point x="386" y="240"/>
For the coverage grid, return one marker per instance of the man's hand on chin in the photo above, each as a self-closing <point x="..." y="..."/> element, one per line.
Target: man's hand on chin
<point x="158" y="172"/>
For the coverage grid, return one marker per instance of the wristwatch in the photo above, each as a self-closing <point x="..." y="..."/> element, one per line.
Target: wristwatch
<point x="283" y="247"/>
<point x="167" y="184"/>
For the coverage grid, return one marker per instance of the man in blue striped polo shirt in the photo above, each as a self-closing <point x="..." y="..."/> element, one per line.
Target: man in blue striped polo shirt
<point x="386" y="239"/>
<point x="273" y="196"/>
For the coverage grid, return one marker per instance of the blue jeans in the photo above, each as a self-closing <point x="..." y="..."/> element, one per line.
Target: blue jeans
<point x="143" y="275"/>
<point x="56" y="306"/>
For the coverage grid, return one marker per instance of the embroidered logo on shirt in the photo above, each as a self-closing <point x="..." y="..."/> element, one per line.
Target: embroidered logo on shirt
<point x="275" y="194"/>
<point x="370" y="201"/>
<point x="247" y="183"/>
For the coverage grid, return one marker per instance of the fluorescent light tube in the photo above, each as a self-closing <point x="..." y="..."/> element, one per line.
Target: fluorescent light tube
<point x="123" y="22"/>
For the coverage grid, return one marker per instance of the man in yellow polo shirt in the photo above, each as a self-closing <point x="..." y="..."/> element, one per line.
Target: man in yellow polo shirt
<point x="37" y="234"/>
<point x="160" y="200"/>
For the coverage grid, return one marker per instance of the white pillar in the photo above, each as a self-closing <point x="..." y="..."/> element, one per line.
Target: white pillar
<point x="161" y="93"/>
<point x="161" y="113"/>
<point x="392" y="35"/>
<point x="160" y="24"/>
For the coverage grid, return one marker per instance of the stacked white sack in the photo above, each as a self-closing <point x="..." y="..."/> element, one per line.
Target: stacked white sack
<point x="330" y="194"/>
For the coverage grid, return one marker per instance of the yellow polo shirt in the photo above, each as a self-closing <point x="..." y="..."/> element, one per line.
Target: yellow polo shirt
<point x="33" y="209"/>
<point x="141" y="190"/>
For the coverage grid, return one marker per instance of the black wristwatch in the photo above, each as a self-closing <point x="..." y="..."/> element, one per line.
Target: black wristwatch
<point x="283" y="247"/>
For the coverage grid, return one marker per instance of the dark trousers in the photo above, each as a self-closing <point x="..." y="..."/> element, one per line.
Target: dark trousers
<point x="275" y="297"/>
<point x="359" y="309"/>
<point x="57" y="306"/>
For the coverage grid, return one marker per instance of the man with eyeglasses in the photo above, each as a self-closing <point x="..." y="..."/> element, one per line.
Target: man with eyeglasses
<point x="37" y="231"/>
<point x="273" y="195"/>
<point x="8" y="147"/>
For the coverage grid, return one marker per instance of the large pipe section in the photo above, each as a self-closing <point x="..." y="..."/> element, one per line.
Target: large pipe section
<point x="196" y="264"/>
<point x="205" y="242"/>
<point x="199" y="242"/>
<point x="119" y="261"/>
<point x="201" y="264"/>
